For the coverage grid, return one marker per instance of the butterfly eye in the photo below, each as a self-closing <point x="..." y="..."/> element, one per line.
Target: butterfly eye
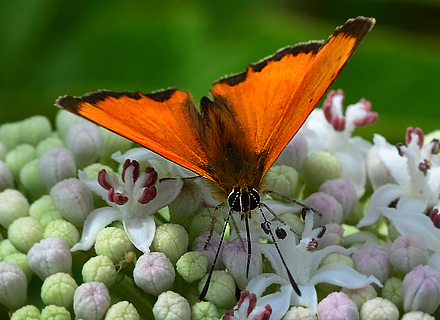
<point x="234" y="200"/>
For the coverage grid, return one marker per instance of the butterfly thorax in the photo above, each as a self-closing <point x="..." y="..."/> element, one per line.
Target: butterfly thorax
<point x="244" y="200"/>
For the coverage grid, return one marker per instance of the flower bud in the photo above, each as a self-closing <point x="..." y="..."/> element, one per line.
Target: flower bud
<point x="6" y="179"/>
<point x="53" y="312"/>
<point x="211" y="250"/>
<point x="373" y="261"/>
<point x="20" y="260"/>
<point x="392" y="290"/>
<point x="24" y="233"/>
<point x="73" y="199"/>
<point x="221" y="290"/>
<point x="29" y="312"/>
<point x="204" y="310"/>
<point x="379" y="309"/>
<point x="192" y="266"/>
<point x="113" y="243"/>
<point x="122" y="310"/>
<point x="171" y="305"/>
<point x="295" y="153"/>
<point x="344" y="192"/>
<point x="13" y="205"/>
<point x="58" y="289"/>
<point x="85" y="141"/>
<point x="154" y="273"/>
<point x="10" y="135"/>
<point x="91" y="301"/>
<point x="417" y="315"/>
<point x="112" y="143"/>
<point x="18" y="157"/>
<point x="300" y="313"/>
<point x="55" y="165"/>
<point x="13" y="285"/>
<point x="187" y="203"/>
<point x="378" y="173"/>
<point x="337" y="305"/>
<point x="62" y="229"/>
<point x="64" y="120"/>
<point x="99" y="269"/>
<point x="319" y="167"/>
<point x="408" y="251"/>
<point x="31" y="180"/>
<point x="328" y="207"/>
<point x="44" y="210"/>
<point x="334" y="235"/>
<point x="235" y="258"/>
<point x="50" y="256"/>
<point x="360" y="296"/>
<point x="202" y="221"/>
<point x="6" y="248"/>
<point x="283" y="179"/>
<point x="35" y="129"/>
<point x="336" y="258"/>
<point x="172" y="240"/>
<point x="421" y="289"/>
<point x="48" y="143"/>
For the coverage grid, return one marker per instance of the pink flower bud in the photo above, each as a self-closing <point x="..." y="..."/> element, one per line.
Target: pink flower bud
<point x="408" y="251"/>
<point x="373" y="261"/>
<point x="337" y="306"/>
<point x="91" y="301"/>
<point x="344" y="192"/>
<point x="55" y="165"/>
<point x="211" y="249"/>
<point x="329" y="208"/>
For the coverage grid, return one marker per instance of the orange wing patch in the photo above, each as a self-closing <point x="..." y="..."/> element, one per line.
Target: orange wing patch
<point x="165" y="122"/>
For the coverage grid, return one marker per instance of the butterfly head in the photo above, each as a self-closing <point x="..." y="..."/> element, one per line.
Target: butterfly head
<point x="243" y="199"/>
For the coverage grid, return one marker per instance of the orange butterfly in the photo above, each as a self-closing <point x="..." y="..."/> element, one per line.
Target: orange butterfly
<point x="243" y="128"/>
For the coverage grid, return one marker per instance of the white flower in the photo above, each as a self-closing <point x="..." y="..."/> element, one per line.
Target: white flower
<point x="133" y="204"/>
<point x="417" y="177"/>
<point x="303" y="262"/>
<point x="328" y="129"/>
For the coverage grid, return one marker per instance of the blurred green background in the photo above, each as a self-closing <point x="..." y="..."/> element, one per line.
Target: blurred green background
<point x="51" y="48"/>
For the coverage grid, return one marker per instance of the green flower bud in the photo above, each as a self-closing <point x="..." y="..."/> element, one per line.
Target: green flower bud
<point x="113" y="243"/>
<point x="202" y="221"/>
<point x="29" y="312"/>
<point x="392" y="290"/>
<point x="18" y="157"/>
<point x="171" y="305"/>
<point x="35" y="129"/>
<point x="360" y="296"/>
<point x="6" y="248"/>
<point x="192" y="266"/>
<point x="20" y="260"/>
<point x="53" y="312"/>
<point x="319" y="167"/>
<point x="221" y="291"/>
<point x="48" y="143"/>
<point x="377" y="309"/>
<point x="204" y="310"/>
<point x="62" y="229"/>
<point x="6" y="178"/>
<point x="189" y="201"/>
<point x="24" y="233"/>
<point x="283" y="179"/>
<point x="44" y="210"/>
<point x="10" y="135"/>
<point x="3" y="151"/>
<point x="64" y="120"/>
<point x="172" y="240"/>
<point x="300" y="313"/>
<point x="13" y="205"/>
<point x="13" y="285"/>
<point x="112" y="142"/>
<point x="122" y="310"/>
<point x="99" y="269"/>
<point x="31" y="180"/>
<point x="337" y="258"/>
<point x="58" y="289"/>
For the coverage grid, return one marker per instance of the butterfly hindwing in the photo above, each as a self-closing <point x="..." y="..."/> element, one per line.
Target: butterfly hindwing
<point x="165" y="122"/>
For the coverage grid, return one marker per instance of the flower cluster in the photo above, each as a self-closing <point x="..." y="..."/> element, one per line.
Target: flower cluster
<point x="94" y="227"/>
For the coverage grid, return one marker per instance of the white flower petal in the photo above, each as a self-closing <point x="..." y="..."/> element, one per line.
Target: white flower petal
<point x="353" y="170"/>
<point x="434" y="261"/>
<point x="279" y="301"/>
<point x="342" y="275"/>
<point x="167" y="192"/>
<point x="141" y="231"/>
<point x="382" y="197"/>
<point x="309" y="298"/>
<point x="94" y="186"/>
<point x="97" y="220"/>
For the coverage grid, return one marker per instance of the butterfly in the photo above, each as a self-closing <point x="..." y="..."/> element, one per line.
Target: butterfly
<point x="243" y="127"/>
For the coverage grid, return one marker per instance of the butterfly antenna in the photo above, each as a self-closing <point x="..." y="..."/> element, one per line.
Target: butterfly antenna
<point x="266" y="228"/>
<point x="208" y="280"/>
<point x="249" y="244"/>
<point x="278" y="218"/>
<point x="289" y="199"/>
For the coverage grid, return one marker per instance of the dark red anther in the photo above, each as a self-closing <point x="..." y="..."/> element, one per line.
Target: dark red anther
<point x="152" y="177"/>
<point x="117" y="197"/>
<point x="435" y="146"/>
<point x="243" y="295"/>
<point x="148" y="194"/>
<point x="399" y="149"/>
<point x="228" y="314"/>
<point x="312" y="245"/>
<point x="321" y="234"/>
<point x="418" y="132"/>
<point x="265" y="315"/>
<point x="102" y="180"/>
<point x="136" y="171"/>
<point x="369" y="118"/>
<point x="424" y="166"/>
<point x="435" y="217"/>
<point x="252" y="303"/>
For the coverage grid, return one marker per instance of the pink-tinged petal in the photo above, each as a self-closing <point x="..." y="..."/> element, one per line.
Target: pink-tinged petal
<point x="97" y="220"/>
<point x="410" y="222"/>
<point x="141" y="231"/>
<point x="382" y="197"/>
<point x="344" y="276"/>
<point x="167" y="191"/>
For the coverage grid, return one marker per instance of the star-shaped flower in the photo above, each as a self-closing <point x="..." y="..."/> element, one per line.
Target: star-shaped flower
<point x="132" y="203"/>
